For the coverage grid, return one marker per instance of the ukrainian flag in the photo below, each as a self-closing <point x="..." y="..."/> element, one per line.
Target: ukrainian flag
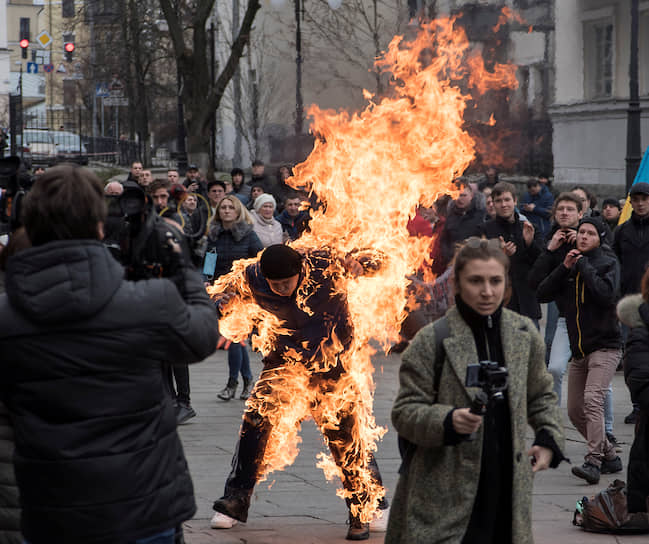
<point x="642" y="175"/>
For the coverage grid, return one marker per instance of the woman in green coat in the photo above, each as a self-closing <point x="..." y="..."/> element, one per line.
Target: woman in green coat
<point x="464" y="489"/>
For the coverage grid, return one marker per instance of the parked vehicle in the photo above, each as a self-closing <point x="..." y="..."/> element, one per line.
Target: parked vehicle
<point x="69" y="147"/>
<point x="41" y="145"/>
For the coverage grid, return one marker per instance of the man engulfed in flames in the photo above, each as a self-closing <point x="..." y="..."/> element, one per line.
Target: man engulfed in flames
<point x="306" y="366"/>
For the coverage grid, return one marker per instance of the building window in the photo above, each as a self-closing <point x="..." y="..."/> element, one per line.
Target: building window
<point x="24" y="28"/>
<point x="67" y="8"/>
<point x="599" y="54"/>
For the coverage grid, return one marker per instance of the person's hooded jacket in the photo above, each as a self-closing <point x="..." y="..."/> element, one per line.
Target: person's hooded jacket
<point x="238" y="242"/>
<point x="98" y="459"/>
<point x="586" y="295"/>
<point x="634" y="313"/>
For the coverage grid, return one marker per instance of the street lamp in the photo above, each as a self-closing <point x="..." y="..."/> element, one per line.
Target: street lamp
<point x="633" y="147"/>
<point x="299" y="101"/>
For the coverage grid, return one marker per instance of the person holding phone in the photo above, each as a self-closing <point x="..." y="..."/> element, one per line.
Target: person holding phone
<point x="231" y="237"/>
<point x="473" y="491"/>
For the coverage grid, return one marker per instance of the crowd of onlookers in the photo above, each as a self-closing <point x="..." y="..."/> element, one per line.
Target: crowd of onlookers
<point x="570" y="254"/>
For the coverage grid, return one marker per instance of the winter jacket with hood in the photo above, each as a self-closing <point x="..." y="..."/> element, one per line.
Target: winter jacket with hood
<point x="631" y="246"/>
<point x="98" y="459"/>
<point x="634" y="313"/>
<point x="586" y="295"/>
<point x="542" y="212"/>
<point x="237" y="242"/>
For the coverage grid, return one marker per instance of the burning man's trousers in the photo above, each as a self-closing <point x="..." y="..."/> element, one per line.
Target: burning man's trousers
<point x="248" y="464"/>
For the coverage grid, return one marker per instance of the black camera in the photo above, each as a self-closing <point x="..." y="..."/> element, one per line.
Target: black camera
<point x="142" y="240"/>
<point x="492" y="379"/>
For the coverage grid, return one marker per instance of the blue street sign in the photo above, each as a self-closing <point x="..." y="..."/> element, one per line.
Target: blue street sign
<point x="101" y="90"/>
<point x="32" y="68"/>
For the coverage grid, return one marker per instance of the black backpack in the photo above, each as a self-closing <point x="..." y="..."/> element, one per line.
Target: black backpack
<point x="407" y="448"/>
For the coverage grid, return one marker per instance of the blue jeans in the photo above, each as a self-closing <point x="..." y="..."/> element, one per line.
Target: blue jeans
<point x="552" y="315"/>
<point x="165" y="537"/>
<point x="238" y="361"/>
<point x="560" y="355"/>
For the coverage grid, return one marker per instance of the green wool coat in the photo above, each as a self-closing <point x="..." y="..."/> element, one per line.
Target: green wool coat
<point x="434" y="500"/>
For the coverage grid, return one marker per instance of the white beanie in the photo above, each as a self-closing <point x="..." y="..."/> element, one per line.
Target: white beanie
<point x="262" y="199"/>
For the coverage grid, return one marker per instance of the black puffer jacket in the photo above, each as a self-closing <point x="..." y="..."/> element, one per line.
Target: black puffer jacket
<point x="634" y="313"/>
<point x="523" y="299"/>
<point x="238" y="242"/>
<point x="9" y="501"/>
<point x="98" y="459"/>
<point x="587" y="294"/>
<point x="631" y="246"/>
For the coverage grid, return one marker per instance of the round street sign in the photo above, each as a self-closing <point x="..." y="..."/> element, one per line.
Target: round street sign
<point x="48" y="68"/>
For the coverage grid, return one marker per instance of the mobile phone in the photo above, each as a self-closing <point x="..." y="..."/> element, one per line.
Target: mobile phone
<point x="209" y="264"/>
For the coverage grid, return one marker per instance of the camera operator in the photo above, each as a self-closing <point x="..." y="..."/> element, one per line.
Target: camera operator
<point x="98" y="457"/>
<point x="479" y="491"/>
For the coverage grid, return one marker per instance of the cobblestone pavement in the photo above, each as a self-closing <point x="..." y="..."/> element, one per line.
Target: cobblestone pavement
<point x="299" y="506"/>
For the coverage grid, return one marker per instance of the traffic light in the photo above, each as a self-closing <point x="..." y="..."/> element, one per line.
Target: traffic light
<point x="68" y="47"/>
<point x="24" y="44"/>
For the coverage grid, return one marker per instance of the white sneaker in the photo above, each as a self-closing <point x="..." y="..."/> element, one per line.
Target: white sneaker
<point x="379" y="523"/>
<point x="221" y="521"/>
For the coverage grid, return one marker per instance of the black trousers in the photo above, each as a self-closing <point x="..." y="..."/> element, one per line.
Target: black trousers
<point x="181" y="375"/>
<point x="248" y="465"/>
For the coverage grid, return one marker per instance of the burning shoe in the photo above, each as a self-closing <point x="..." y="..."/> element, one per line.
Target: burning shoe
<point x="234" y="505"/>
<point x="379" y="523"/>
<point x="221" y="521"/>
<point x="357" y="530"/>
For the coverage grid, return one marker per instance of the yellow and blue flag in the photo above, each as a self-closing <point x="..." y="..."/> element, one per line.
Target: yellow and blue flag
<point x="642" y="175"/>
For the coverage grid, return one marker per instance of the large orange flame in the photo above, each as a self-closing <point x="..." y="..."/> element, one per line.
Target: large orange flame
<point x="370" y="170"/>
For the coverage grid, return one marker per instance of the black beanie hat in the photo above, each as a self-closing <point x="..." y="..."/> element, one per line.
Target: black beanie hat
<point x="597" y="223"/>
<point x="279" y="262"/>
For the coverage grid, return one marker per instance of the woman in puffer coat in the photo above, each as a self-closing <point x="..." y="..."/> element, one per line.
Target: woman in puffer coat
<point x="231" y="237"/>
<point x="633" y="311"/>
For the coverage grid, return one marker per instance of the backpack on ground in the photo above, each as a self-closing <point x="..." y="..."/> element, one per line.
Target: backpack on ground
<point x="607" y="512"/>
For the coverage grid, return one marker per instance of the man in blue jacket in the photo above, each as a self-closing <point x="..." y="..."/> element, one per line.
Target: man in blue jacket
<point x="98" y="459"/>
<point x="536" y="205"/>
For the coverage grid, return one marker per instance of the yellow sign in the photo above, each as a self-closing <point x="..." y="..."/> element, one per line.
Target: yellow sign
<point x="44" y="39"/>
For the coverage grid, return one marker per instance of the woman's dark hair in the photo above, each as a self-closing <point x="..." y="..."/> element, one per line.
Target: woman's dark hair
<point x="482" y="249"/>
<point x="65" y="203"/>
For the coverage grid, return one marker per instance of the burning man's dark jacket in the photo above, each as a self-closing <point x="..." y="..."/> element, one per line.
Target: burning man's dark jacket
<point x="98" y="459"/>
<point x="327" y="316"/>
<point x="523" y="299"/>
<point x="587" y="294"/>
<point x="631" y="246"/>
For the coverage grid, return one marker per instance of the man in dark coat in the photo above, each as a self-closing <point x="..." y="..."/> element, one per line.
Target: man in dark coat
<point x="312" y="348"/>
<point x="631" y="245"/>
<point x="536" y="204"/>
<point x="522" y="244"/>
<point x="464" y="219"/>
<point x="98" y="459"/>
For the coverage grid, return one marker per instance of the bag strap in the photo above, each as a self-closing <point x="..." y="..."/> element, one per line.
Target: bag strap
<point x="442" y="331"/>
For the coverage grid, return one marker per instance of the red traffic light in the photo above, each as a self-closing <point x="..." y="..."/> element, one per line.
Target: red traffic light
<point x="24" y="43"/>
<point x="69" y="47"/>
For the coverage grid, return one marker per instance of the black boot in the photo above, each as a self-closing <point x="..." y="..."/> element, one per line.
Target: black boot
<point x="357" y="530"/>
<point x="229" y="390"/>
<point x="245" y="392"/>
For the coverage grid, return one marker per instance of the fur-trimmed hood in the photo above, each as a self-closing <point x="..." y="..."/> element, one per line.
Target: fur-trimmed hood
<point x="628" y="311"/>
